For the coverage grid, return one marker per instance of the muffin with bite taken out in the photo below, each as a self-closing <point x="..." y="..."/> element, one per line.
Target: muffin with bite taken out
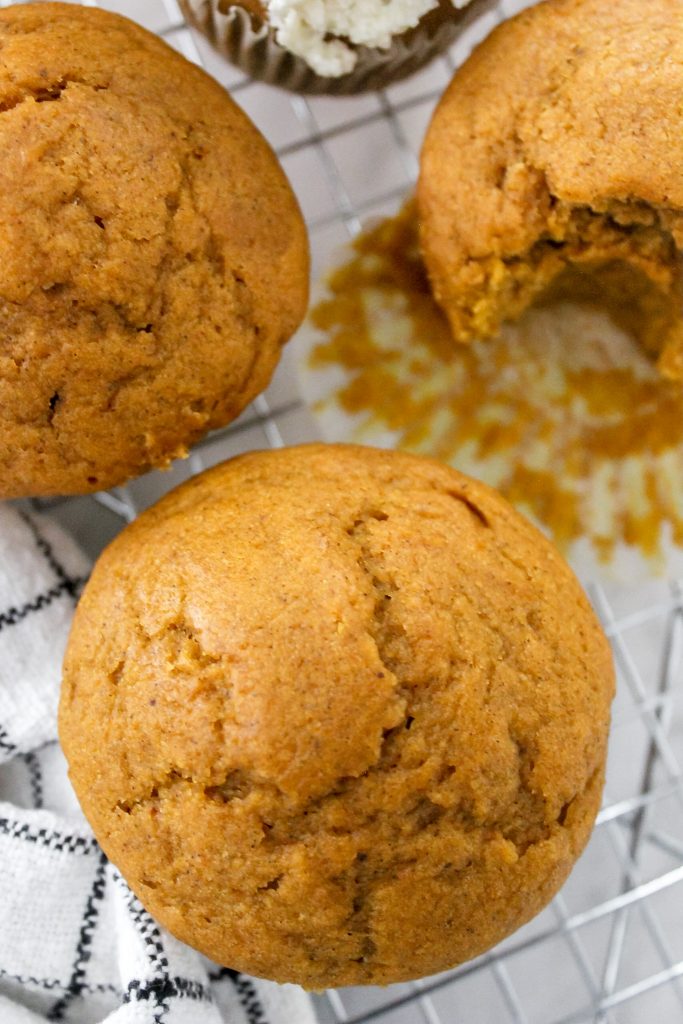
<point x="558" y="173"/>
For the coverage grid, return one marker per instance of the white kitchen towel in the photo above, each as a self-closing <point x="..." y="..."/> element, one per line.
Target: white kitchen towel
<point x="75" y="943"/>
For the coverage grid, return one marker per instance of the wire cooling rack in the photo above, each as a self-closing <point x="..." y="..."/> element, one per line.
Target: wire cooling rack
<point x="609" y="949"/>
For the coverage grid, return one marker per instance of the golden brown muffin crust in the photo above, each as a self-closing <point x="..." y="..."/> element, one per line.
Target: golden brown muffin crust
<point x="559" y="143"/>
<point x="154" y="257"/>
<point x="338" y="714"/>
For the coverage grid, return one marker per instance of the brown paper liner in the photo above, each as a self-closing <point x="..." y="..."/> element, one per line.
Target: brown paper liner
<point x="252" y="47"/>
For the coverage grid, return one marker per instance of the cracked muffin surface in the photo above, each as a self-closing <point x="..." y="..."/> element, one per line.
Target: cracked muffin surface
<point x="339" y="715"/>
<point x="154" y="257"/>
<point x="558" y="170"/>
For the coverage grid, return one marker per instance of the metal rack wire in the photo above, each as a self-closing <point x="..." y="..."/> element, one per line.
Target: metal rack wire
<point x="609" y="949"/>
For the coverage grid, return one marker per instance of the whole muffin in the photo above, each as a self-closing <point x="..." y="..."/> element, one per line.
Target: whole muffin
<point x="338" y="714"/>
<point x="552" y="167"/>
<point x="154" y="258"/>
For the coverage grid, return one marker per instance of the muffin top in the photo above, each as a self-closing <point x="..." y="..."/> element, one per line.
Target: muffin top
<point x="338" y="714"/>
<point x="154" y="257"/>
<point x="563" y="130"/>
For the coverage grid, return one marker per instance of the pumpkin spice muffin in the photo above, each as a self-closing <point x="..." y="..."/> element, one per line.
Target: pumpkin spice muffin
<point x="558" y="172"/>
<point x="338" y="714"/>
<point x="154" y="258"/>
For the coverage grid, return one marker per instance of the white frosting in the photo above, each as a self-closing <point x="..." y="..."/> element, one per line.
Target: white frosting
<point x="304" y="27"/>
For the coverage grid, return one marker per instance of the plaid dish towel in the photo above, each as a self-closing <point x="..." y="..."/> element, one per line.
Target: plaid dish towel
<point x="75" y="943"/>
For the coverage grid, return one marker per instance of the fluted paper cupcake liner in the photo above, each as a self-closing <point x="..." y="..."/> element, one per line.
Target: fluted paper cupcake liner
<point x="255" y="50"/>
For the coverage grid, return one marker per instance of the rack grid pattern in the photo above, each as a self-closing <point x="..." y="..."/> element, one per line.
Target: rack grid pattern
<point x="609" y="950"/>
